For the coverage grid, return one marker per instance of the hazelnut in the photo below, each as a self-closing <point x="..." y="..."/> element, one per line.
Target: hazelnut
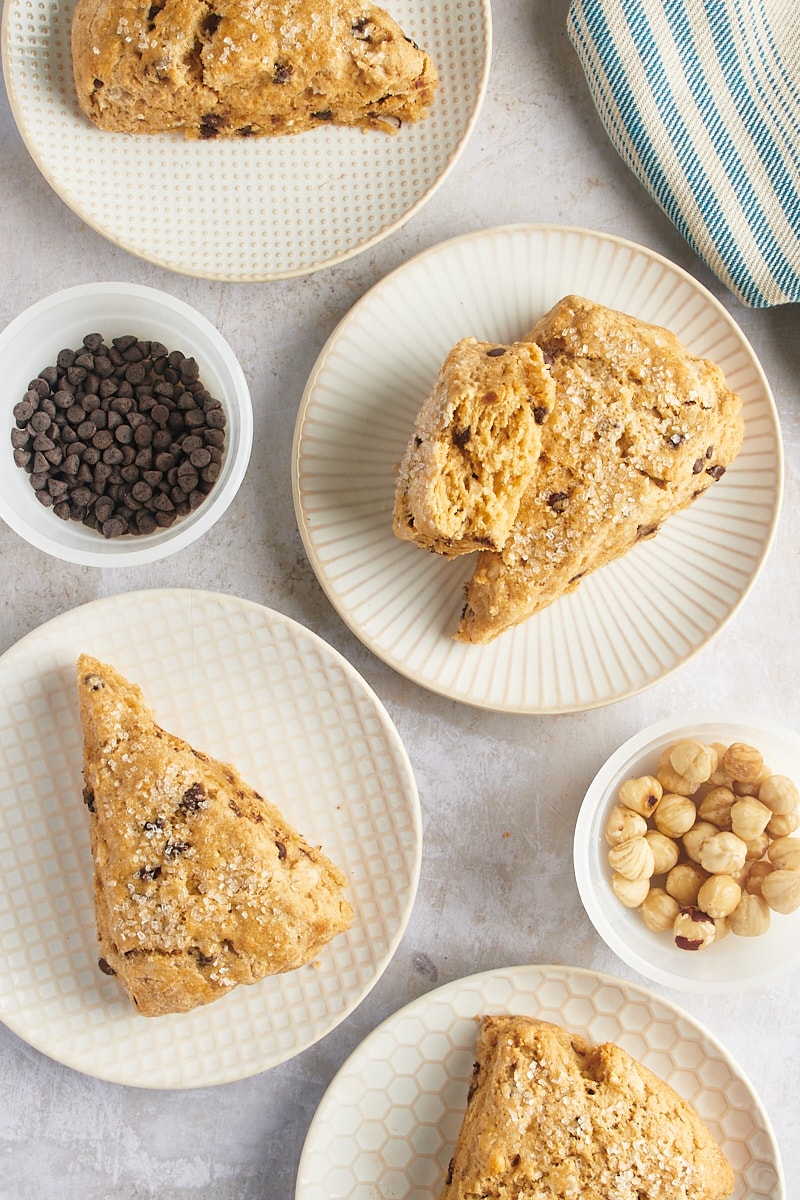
<point x="693" y="929"/>
<point x="630" y="892"/>
<point x="670" y="779"/>
<point x="784" y="854"/>
<point x="675" y="814"/>
<point x="756" y="875"/>
<point x="683" y="882"/>
<point x="723" y="854"/>
<point x="749" y="818"/>
<point x="665" y="851"/>
<point x="691" y="760"/>
<point x="782" y="824"/>
<point x="779" y="794"/>
<point x="742" y="762"/>
<point x="694" y="838"/>
<point x="781" y="890"/>
<point x="756" y="847"/>
<point x="633" y="859"/>
<point x="750" y="918"/>
<point x="623" y="824"/>
<point x="719" y="895"/>
<point x="718" y="776"/>
<point x="751" y="787"/>
<point x="716" y="806"/>
<point x="642" y="795"/>
<point x="659" y="910"/>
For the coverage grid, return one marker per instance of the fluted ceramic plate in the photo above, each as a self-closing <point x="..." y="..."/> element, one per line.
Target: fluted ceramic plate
<point x="246" y="209"/>
<point x="388" y="1123"/>
<point x="246" y="685"/>
<point x="626" y="626"/>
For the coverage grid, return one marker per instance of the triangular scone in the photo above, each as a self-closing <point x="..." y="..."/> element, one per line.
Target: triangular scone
<point x="474" y="448"/>
<point x="549" y="1115"/>
<point x="244" y="68"/>
<point x="200" y="883"/>
<point x="640" y="428"/>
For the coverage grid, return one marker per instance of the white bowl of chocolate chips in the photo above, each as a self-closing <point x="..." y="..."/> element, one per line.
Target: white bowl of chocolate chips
<point x="129" y="424"/>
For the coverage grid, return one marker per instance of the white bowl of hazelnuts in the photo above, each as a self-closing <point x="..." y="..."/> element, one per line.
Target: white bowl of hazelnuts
<point x="687" y="852"/>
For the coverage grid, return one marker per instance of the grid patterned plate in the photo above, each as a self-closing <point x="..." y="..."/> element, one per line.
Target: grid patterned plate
<point x="250" y="209"/>
<point x="388" y="1122"/>
<point x="627" y="625"/>
<point x="248" y="686"/>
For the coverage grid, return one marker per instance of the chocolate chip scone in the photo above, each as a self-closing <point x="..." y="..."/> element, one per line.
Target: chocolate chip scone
<point x="242" y="68"/>
<point x="640" y="429"/>
<point x="200" y="883"/>
<point x="474" y="448"/>
<point x="550" y="1115"/>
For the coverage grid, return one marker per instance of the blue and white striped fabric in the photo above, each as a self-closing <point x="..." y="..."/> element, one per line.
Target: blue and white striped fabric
<point x="701" y="98"/>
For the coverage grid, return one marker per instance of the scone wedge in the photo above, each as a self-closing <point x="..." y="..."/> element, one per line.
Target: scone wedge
<point x="474" y="448"/>
<point x="200" y="883"/>
<point x="640" y="429"/>
<point x="550" y="1116"/>
<point x="245" y="68"/>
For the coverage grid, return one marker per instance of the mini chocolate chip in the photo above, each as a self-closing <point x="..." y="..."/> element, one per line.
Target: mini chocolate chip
<point x="697" y="466"/>
<point x="281" y="850"/>
<point x="716" y="472"/>
<point x="496" y="352"/>
<point x="539" y="414"/>
<point x="558" y="501"/>
<point x="105" y="968"/>
<point x="149" y="872"/>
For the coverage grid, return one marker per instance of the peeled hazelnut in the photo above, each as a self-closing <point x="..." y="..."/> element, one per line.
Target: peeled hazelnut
<point x="675" y="814"/>
<point x="742" y="762"/>
<point x="693" y="929"/>
<point x="779" y="794"/>
<point x="784" y="854"/>
<point x="691" y="760"/>
<point x="683" y="882"/>
<point x="630" y="892"/>
<point x="750" y="918"/>
<point x="642" y="795"/>
<point x="665" y="851"/>
<point x="781" y="890"/>
<point x="670" y="779"/>
<point x="659" y="910"/>
<point x="749" y="818"/>
<point x="722" y="928"/>
<point x="694" y="838"/>
<point x="782" y="824"/>
<point x="723" y="854"/>
<point x="751" y="787"/>
<point x="719" y="895"/>
<point x="716" y="806"/>
<point x="718" y="776"/>
<point x="756" y="847"/>
<point x="623" y="824"/>
<point x="756" y="875"/>
<point x="633" y="859"/>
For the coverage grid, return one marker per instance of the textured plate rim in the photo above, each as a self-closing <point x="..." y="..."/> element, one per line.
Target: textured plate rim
<point x="393" y="741"/>
<point x="387" y="281"/>
<point x="516" y="977"/>
<point x="309" y="268"/>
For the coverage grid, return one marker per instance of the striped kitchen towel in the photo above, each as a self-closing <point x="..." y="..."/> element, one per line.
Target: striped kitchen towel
<point x="701" y="98"/>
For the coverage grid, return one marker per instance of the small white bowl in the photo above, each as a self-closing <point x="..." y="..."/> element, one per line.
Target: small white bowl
<point x="731" y="965"/>
<point x="32" y="341"/>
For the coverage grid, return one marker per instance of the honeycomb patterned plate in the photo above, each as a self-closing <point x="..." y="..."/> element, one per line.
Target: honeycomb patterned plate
<point x="626" y="626"/>
<point x="388" y="1122"/>
<point x="246" y="685"/>
<point x="247" y="209"/>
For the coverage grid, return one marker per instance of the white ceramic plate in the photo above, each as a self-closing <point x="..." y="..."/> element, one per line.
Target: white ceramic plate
<point x="388" y="1122"/>
<point x="247" y="209"/>
<point x="249" y="686"/>
<point x="626" y="626"/>
<point x="732" y="965"/>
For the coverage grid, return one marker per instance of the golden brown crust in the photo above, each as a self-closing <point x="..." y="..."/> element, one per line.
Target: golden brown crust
<point x="549" y="1116"/>
<point x="474" y="448"/>
<point x="200" y="883"/>
<point x="641" y="427"/>
<point x="216" y="68"/>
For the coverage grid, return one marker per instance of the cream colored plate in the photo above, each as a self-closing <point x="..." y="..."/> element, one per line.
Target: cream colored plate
<point x="251" y="209"/>
<point x="625" y="627"/>
<point x="251" y="687"/>
<point x="388" y="1122"/>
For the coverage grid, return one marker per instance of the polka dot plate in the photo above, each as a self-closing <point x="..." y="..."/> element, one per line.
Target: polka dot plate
<point x="389" y="1120"/>
<point x="248" y="686"/>
<point x="253" y="209"/>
